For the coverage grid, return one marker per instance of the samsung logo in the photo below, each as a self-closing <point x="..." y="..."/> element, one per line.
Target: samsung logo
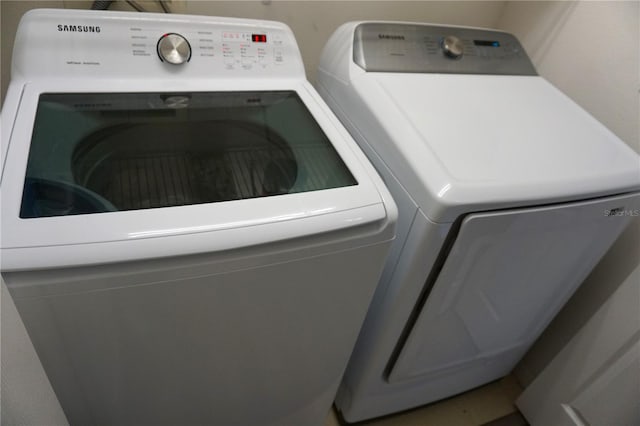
<point x="390" y="37"/>
<point x="79" y="28"/>
<point x="621" y="211"/>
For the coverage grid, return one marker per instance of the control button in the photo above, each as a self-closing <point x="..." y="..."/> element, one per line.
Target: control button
<point x="452" y="47"/>
<point x="174" y="48"/>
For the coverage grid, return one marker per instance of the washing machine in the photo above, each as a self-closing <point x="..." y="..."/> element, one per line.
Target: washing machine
<point x="508" y="194"/>
<point x="189" y="234"/>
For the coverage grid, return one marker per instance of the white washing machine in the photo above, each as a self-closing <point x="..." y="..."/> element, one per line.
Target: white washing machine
<point x="508" y="194"/>
<point x="189" y="234"/>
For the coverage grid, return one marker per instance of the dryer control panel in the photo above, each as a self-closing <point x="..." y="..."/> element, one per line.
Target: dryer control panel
<point x="70" y="44"/>
<point x="419" y="48"/>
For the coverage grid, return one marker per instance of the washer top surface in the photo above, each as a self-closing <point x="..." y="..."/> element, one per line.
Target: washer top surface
<point x="466" y="139"/>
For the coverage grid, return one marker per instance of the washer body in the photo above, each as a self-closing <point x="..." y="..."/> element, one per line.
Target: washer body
<point x="508" y="194"/>
<point x="193" y="241"/>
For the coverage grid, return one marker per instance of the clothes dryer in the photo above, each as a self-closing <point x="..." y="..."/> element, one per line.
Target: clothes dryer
<point x="508" y="193"/>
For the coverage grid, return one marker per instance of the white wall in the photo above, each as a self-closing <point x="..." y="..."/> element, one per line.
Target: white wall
<point x="591" y="51"/>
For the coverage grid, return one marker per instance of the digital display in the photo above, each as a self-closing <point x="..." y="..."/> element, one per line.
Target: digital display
<point x="491" y="43"/>
<point x="259" y="38"/>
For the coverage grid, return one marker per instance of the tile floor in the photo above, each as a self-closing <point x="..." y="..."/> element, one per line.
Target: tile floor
<point x="473" y="408"/>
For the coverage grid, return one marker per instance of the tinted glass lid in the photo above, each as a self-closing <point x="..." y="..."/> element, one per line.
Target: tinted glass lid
<point x="93" y="153"/>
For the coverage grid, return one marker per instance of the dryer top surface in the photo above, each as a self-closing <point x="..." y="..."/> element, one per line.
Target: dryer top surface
<point x="474" y="139"/>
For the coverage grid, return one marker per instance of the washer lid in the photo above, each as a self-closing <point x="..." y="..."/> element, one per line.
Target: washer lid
<point x="105" y="152"/>
<point x="471" y="142"/>
<point x="102" y="177"/>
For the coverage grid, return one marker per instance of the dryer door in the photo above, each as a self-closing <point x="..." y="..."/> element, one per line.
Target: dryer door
<point x="506" y="276"/>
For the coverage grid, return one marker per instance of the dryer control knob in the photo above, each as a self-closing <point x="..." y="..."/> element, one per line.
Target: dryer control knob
<point x="452" y="47"/>
<point x="174" y="48"/>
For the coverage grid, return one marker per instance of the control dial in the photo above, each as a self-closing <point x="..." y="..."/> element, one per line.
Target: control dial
<point x="452" y="47"/>
<point x="174" y="48"/>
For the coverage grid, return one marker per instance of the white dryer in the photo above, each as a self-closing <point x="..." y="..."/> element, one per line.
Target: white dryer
<point x="508" y="194"/>
<point x="189" y="234"/>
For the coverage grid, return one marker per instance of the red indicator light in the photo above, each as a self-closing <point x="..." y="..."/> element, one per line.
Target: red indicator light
<point x="259" y="38"/>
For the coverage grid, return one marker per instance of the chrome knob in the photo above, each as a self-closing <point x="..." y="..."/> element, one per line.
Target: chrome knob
<point x="174" y="48"/>
<point x="452" y="47"/>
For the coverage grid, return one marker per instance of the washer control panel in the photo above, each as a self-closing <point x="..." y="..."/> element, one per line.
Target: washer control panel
<point x="90" y="44"/>
<point x="420" y="48"/>
<point x="228" y="47"/>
